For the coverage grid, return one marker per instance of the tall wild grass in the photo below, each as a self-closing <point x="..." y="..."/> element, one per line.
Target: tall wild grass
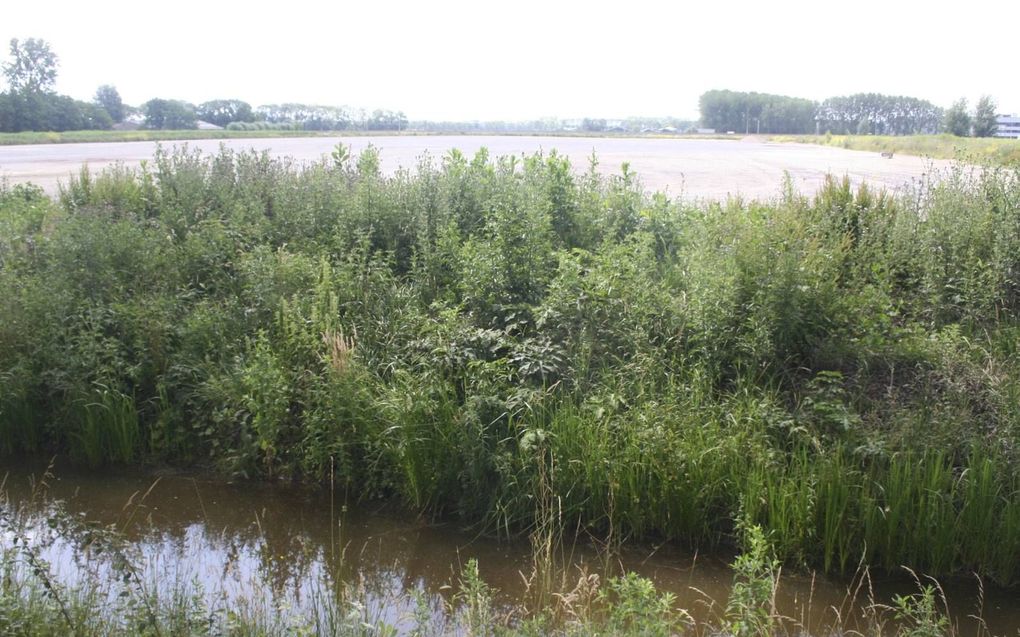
<point x="480" y="334"/>
<point x="981" y="149"/>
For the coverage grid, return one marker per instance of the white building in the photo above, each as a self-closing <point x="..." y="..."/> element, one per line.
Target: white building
<point x="1009" y="126"/>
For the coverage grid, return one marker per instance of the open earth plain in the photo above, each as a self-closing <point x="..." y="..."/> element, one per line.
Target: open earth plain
<point x="696" y="168"/>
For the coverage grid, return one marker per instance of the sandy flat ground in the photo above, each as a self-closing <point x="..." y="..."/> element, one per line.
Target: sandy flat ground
<point x="691" y="168"/>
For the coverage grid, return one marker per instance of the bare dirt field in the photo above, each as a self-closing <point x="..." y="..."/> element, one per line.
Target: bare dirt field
<point x="692" y="168"/>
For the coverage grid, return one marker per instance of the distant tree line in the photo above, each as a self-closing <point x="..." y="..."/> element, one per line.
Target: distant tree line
<point x="29" y="103"/>
<point x="543" y="125"/>
<point x="982" y="123"/>
<point x="313" y="117"/>
<point x="757" y="113"/>
<point x="647" y="124"/>
<point x="877" y="114"/>
<point x="859" y="114"/>
<point x="554" y="124"/>
<point x="169" y="114"/>
<point x="239" y="115"/>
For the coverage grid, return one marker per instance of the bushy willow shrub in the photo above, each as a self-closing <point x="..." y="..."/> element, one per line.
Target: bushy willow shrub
<point x="841" y="369"/>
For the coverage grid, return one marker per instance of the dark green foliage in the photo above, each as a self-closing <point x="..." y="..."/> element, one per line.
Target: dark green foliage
<point x="956" y="120"/>
<point x="384" y="120"/>
<point x="168" y="114"/>
<point x="985" y="123"/>
<point x="877" y="114"/>
<point x="757" y="113"/>
<point x="225" y="112"/>
<point x="32" y="67"/>
<point x="108" y="98"/>
<point x="30" y="103"/>
<point x="840" y="370"/>
<point x="49" y="112"/>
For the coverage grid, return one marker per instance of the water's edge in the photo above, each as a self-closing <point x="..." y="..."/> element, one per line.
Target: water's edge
<point x="284" y="538"/>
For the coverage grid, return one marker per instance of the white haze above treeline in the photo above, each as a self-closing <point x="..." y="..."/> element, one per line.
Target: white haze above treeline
<point x="460" y="60"/>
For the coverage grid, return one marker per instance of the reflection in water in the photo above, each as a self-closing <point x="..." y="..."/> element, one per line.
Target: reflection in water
<point x="254" y="544"/>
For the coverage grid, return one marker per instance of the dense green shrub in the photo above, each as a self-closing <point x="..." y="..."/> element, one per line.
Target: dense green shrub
<point x="840" y="370"/>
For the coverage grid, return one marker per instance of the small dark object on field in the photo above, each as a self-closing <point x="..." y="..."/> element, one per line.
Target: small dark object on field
<point x="887" y="155"/>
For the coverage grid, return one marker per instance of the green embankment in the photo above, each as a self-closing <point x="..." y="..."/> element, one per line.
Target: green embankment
<point x="842" y="370"/>
<point x="972" y="149"/>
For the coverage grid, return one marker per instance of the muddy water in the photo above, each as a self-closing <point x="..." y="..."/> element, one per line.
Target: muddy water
<point x="276" y="544"/>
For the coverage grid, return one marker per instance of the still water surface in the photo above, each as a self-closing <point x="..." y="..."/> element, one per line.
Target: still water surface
<point x="260" y="543"/>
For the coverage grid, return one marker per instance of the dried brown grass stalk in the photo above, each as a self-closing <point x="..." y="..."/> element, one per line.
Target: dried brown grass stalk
<point x="339" y="349"/>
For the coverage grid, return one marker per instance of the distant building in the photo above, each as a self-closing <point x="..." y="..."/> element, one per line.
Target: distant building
<point x="127" y="125"/>
<point x="1009" y="126"/>
<point x="201" y="125"/>
<point x="132" y="121"/>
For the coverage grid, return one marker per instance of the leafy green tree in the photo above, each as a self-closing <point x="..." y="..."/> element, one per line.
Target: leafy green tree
<point x="95" y="116"/>
<point x="30" y="103"/>
<point x="223" y="112"/>
<point x="33" y="111"/>
<point x="957" y="121"/>
<point x="32" y="68"/>
<point x="169" y="114"/>
<point x="756" y="112"/>
<point x="311" y="117"/>
<point x="108" y="98"/>
<point x="387" y="120"/>
<point x="984" y="122"/>
<point x="21" y="111"/>
<point x="62" y="113"/>
<point x="878" y="114"/>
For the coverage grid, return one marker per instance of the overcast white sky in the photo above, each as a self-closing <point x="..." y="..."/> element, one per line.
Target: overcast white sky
<point x="455" y="59"/>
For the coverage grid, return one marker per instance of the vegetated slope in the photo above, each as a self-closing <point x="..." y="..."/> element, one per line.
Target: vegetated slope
<point x="972" y="149"/>
<point x="484" y="338"/>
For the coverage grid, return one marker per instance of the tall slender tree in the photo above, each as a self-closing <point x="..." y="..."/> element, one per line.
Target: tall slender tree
<point x="957" y="121"/>
<point x="985" y="123"/>
<point x="32" y="67"/>
<point x="108" y="97"/>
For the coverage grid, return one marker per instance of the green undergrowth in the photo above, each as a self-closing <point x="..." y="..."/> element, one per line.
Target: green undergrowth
<point x="974" y="149"/>
<point x="841" y="369"/>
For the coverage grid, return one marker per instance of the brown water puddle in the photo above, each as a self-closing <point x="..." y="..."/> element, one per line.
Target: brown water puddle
<point x="277" y="543"/>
